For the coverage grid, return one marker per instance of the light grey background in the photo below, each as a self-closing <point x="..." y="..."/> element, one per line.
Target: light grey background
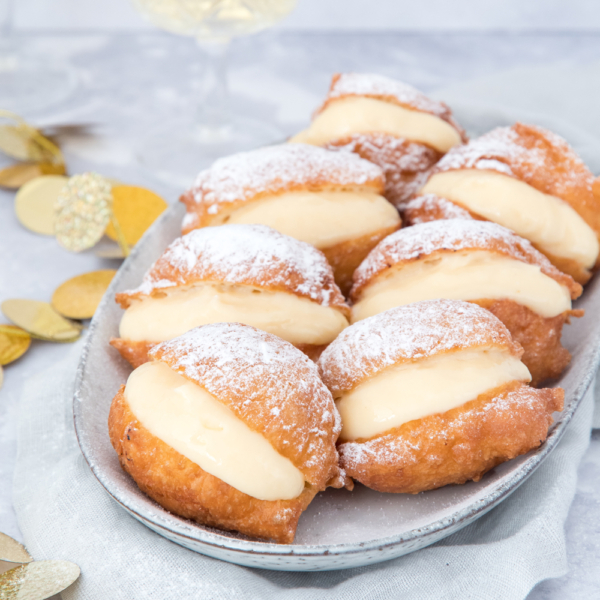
<point x="405" y="15"/>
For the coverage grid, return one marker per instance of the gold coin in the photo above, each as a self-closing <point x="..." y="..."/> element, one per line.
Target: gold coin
<point x="78" y="298"/>
<point x="14" y="342"/>
<point x="34" y="203"/>
<point x="12" y="551"/>
<point x="83" y="209"/>
<point x="38" y="580"/>
<point x="40" y="320"/>
<point x="135" y="209"/>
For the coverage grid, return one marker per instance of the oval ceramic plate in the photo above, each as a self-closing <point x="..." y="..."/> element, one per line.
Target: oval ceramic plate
<point x="340" y="529"/>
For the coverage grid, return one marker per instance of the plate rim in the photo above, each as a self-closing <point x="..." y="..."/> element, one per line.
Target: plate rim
<point x="434" y="530"/>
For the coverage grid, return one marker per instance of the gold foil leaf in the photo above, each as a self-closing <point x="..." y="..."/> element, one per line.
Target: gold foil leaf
<point x="1" y="377"/>
<point x="83" y="209"/>
<point x="15" y="176"/>
<point x="34" y="203"/>
<point x="38" y="580"/>
<point x="12" y="551"/>
<point x="14" y="342"/>
<point x="79" y="297"/>
<point x="135" y="208"/>
<point x="40" y="320"/>
<point x="17" y="141"/>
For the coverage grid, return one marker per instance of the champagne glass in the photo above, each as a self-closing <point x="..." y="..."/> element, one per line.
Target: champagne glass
<point x="217" y="130"/>
<point x="29" y="82"/>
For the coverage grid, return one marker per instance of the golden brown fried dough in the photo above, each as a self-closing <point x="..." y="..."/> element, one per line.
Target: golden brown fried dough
<point x="234" y="256"/>
<point x="457" y="446"/>
<point x="298" y="418"/>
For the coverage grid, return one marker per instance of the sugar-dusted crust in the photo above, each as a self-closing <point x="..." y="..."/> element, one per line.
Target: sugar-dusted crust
<point x="345" y="257"/>
<point x="254" y="255"/>
<point x="405" y="164"/>
<point x="249" y="176"/>
<point x="408" y="333"/>
<point x="543" y="355"/>
<point x="269" y="384"/>
<point x="449" y="236"/>
<point x="430" y="207"/>
<point x="536" y="156"/>
<point x="383" y="88"/>
<point x="136" y="353"/>
<point x="456" y="446"/>
<point x="185" y="489"/>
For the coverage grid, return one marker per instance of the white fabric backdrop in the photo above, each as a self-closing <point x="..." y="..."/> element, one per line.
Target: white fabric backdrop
<point x="64" y="513"/>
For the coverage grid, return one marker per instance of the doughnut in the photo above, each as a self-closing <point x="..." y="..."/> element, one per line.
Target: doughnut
<point x="389" y="123"/>
<point x="430" y="394"/>
<point x="249" y="274"/>
<point x="480" y="262"/>
<point x="530" y="180"/>
<point x="231" y="427"/>
<point x="331" y="200"/>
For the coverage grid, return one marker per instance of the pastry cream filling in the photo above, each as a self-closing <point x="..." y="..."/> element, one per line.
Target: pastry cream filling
<point x="469" y="275"/>
<point x="425" y="387"/>
<point x="293" y="318"/>
<point x="197" y="425"/>
<point x="347" y="116"/>
<point x="322" y="219"/>
<point x="545" y="220"/>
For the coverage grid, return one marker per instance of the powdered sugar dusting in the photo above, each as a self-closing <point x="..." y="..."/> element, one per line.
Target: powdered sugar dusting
<point x="406" y="164"/>
<point x="276" y="168"/>
<point x="454" y="235"/>
<point x="418" y="209"/>
<point x="266" y="382"/>
<point x="398" y="450"/>
<point x="363" y="84"/>
<point x="244" y="254"/>
<point x="409" y="332"/>
<point x="511" y="151"/>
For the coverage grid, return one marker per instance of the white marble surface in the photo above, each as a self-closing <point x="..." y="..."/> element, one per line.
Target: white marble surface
<point x="130" y="84"/>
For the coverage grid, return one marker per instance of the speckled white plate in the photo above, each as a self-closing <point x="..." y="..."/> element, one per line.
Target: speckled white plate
<point x="340" y="529"/>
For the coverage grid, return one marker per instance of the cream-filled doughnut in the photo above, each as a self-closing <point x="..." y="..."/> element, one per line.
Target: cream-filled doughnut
<point x="208" y="430"/>
<point x="236" y="273"/>
<point x="531" y="181"/>
<point x="480" y="262"/>
<point x="329" y="199"/>
<point x="432" y="393"/>
<point x="387" y="122"/>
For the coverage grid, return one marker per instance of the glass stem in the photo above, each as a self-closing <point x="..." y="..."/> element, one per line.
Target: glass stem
<point x="214" y="109"/>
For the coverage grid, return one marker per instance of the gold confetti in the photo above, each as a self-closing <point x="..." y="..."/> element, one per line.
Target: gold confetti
<point x="135" y="208"/>
<point x="24" y="142"/>
<point x="19" y="141"/>
<point x="14" y="342"/>
<point x="79" y="297"/>
<point x="12" y="551"/>
<point x="34" y="203"/>
<point x="83" y="209"/>
<point x="40" y="320"/>
<point x="15" y="176"/>
<point x="38" y="580"/>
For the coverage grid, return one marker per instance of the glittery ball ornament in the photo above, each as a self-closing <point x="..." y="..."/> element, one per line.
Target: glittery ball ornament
<point x="83" y="209"/>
